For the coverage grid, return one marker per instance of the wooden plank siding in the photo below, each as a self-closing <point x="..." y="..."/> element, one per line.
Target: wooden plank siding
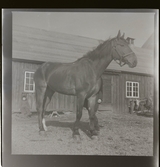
<point x="111" y="92"/>
<point x="118" y="89"/>
<point x="145" y="88"/>
<point x="58" y="102"/>
<point x="18" y="71"/>
<point x="114" y="90"/>
<point x="117" y="93"/>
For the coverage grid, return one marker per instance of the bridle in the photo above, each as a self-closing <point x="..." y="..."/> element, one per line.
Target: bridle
<point x="121" y="56"/>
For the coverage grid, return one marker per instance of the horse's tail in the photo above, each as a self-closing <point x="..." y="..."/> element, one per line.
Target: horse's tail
<point x="39" y="74"/>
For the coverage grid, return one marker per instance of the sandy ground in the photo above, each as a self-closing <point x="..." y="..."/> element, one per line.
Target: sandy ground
<point x="119" y="135"/>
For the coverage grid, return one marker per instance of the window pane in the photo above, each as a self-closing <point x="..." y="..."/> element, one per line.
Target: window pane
<point x="31" y="87"/>
<point x="27" y="87"/>
<point x="27" y="80"/>
<point x="134" y="94"/>
<point x="27" y="74"/>
<point x="132" y="89"/>
<point x="31" y="81"/>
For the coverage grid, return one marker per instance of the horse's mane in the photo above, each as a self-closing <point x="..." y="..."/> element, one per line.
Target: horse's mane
<point x="93" y="54"/>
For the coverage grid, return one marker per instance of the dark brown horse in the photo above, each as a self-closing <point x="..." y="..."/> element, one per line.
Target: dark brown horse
<point x="82" y="79"/>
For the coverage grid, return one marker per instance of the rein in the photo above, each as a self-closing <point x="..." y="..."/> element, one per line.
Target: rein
<point x="121" y="57"/>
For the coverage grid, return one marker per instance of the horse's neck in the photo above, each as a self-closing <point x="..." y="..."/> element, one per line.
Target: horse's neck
<point x="102" y="59"/>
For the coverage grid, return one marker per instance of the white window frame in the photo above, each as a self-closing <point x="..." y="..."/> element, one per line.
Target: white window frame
<point x="30" y="72"/>
<point x="132" y="91"/>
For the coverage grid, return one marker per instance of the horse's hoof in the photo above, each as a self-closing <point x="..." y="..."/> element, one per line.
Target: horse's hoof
<point x="77" y="138"/>
<point x="95" y="133"/>
<point x="45" y="128"/>
<point x="43" y="133"/>
<point x="94" y="137"/>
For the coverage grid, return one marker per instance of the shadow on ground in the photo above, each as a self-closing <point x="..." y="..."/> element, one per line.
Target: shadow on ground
<point x="84" y="126"/>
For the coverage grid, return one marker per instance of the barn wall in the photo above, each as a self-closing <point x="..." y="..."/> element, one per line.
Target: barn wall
<point x="58" y="102"/>
<point x="111" y="91"/>
<point x="114" y="90"/>
<point x="145" y="88"/>
<point x="18" y="71"/>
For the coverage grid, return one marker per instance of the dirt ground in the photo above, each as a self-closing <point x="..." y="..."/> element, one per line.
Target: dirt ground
<point x="120" y="134"/>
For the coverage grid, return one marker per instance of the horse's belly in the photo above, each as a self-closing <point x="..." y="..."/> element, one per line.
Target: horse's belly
<point x="73" y="80"/>
<point x="62" y="86"/>
<point x="65" y="91"/>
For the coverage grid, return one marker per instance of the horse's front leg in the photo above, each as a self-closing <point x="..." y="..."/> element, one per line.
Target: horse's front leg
<point x="92" y="109"/>
<point x="80" y="104"/>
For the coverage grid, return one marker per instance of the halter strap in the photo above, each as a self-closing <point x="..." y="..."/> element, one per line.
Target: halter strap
<point x="121" y="57"/>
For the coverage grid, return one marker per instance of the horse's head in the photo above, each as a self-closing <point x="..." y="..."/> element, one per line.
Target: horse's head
<point x="122" y="53"/>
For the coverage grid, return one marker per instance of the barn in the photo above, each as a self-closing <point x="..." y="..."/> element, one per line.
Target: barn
<point x="31" y="47"/>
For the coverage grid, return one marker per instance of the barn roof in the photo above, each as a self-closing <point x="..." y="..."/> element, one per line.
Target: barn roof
<point x="149" y="44"/>
<point x="42" y="45"/>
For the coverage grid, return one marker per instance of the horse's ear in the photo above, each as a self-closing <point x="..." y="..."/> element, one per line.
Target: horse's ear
<point x="119" y="34"/>
<point x="123" y="35"/>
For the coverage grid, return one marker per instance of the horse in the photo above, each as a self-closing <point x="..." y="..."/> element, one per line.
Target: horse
<point x="81" y="78"/>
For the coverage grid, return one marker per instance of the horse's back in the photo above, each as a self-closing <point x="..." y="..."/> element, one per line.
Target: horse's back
<point x="67" y="78"/>
<point x="51" y="69"/>
<point x="45" y="69"/>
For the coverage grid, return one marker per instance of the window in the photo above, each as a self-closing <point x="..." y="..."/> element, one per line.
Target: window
<point x="132" y="89"/>
<point x="29" y="85"/>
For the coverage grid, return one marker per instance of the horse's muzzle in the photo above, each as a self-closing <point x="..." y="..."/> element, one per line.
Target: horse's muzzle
<point x="131" y="60"/>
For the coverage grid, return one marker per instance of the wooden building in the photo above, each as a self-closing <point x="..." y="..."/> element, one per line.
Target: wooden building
<point x="32" y="46"/>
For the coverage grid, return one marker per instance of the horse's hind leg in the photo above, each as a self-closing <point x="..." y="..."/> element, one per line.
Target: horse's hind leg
<point x="47" y="98"/>
<point x="40" y="92"/>
<point x="80" y="103"/>
<point x="43" y="97"/>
